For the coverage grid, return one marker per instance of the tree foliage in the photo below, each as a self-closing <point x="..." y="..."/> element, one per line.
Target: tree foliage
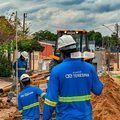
<point x="5" y="66"/>
<point x="7" y="30"/>
<point x="96" y="36"/>
<point x="110" y="42"/>
<point x="5" y="63"/>
<point x="29" y="45"/>
<point x="7" y="46"/>
<point x="45" y="35"/>
<point x="106" y="41"/>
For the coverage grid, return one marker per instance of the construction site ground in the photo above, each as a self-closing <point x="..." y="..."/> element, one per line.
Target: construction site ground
<point x="105" y="107"/>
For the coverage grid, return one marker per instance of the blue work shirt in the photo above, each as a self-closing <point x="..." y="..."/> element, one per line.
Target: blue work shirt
<point x="22" y="67"/>
<point x="69" y="88"/>
<point x="28" y="103"/>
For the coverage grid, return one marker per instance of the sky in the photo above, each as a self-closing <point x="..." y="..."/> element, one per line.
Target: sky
<point x="65" y="14"/>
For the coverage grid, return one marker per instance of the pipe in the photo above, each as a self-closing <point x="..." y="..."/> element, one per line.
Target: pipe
<point x="34" y="81"/>
<point x="5" y="89"/>
<point x="40" y="80"/>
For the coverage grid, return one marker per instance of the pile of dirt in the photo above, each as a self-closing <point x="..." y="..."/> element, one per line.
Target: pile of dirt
<point x="107" y="105"/>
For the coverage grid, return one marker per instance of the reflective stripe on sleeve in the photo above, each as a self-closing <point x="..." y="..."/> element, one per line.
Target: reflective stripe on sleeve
<point x="20" y="111"/>
<point x="74" y="98"/>
<point x="50" y="103"/>
<point x="31" y="106"/>
<point x="43" y="94"/>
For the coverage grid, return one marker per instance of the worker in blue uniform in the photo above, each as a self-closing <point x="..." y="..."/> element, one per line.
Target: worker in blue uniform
<point x="28" y="99"/>
<point x="70" y="85"/>
<point x="22" y="64"/>
<point x="21" y="69"/>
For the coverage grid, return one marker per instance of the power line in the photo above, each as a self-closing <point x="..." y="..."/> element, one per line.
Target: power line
<point x="107" y="27"/>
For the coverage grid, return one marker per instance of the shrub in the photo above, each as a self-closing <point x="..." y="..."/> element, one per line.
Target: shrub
<point x="5" y="67"/>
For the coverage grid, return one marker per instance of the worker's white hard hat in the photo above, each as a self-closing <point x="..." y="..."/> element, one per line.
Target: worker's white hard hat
<point x="65" y="40"/>
<point x="24" y="54"/>
<point x="24" y="77"/>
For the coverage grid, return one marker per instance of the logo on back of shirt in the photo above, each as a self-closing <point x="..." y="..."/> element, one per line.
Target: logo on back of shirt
<point x="27" y="94"/>
<point x="68" y="75"/>
<point x="77" y="74"/>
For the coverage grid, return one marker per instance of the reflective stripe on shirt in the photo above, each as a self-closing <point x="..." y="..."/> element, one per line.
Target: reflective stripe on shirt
<point x="31" y="106"/>
<point x="21" y="68"/>
<point x="50" y="103"/>
<point x="74" y="98"/>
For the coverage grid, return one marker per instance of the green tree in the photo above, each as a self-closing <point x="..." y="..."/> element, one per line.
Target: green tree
<point x="91" y="35"/>
<point x="29" y="45"/>
<point x="96" y="36"/>
<point x="7" y="42"/>
<point x="5" y="63"/>
<point x="106" y="42"/>
<point x="114" y="40"/>
<point x="45" y="35"/>
<point x="110" y="41"/>
<point x="5" y="66"/>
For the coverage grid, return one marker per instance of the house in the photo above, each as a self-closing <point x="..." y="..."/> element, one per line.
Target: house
<point x="48" y="49"/>
<point x="44" y="56"/>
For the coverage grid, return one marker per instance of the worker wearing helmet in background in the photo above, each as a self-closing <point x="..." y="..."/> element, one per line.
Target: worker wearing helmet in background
<point x="22" y="63"/>
<point x="70" y="85"/>
<point x="22" y="67"/>
<point x="28" y="102"/>
<point x="56" y="59"/>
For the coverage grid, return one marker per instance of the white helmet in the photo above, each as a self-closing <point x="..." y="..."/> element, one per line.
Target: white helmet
<point x="24" y="77"/>
<point x="24" y="54"/>
<point x="65" y="40"/>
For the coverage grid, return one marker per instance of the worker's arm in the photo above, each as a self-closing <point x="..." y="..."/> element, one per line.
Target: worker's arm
<point x="51" y="96"/>
<point x="97" y="85"/>
<point x="40" y="92"/>
<point x="20" y="109"/>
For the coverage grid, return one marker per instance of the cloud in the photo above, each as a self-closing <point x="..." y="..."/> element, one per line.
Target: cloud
<point x="109" y="7"/>
<point x="99" y="6"/>
<point x="67" y="14"/>
<point x="70" y="2"/>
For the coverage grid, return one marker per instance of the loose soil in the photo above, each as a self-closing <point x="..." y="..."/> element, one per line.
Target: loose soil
<point x="107" y="105"/>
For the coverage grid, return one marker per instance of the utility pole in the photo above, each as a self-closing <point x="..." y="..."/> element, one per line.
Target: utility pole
<point x="16" y="25"/>
<point x="24" y="20"/>
<point x="117" y="31"/>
